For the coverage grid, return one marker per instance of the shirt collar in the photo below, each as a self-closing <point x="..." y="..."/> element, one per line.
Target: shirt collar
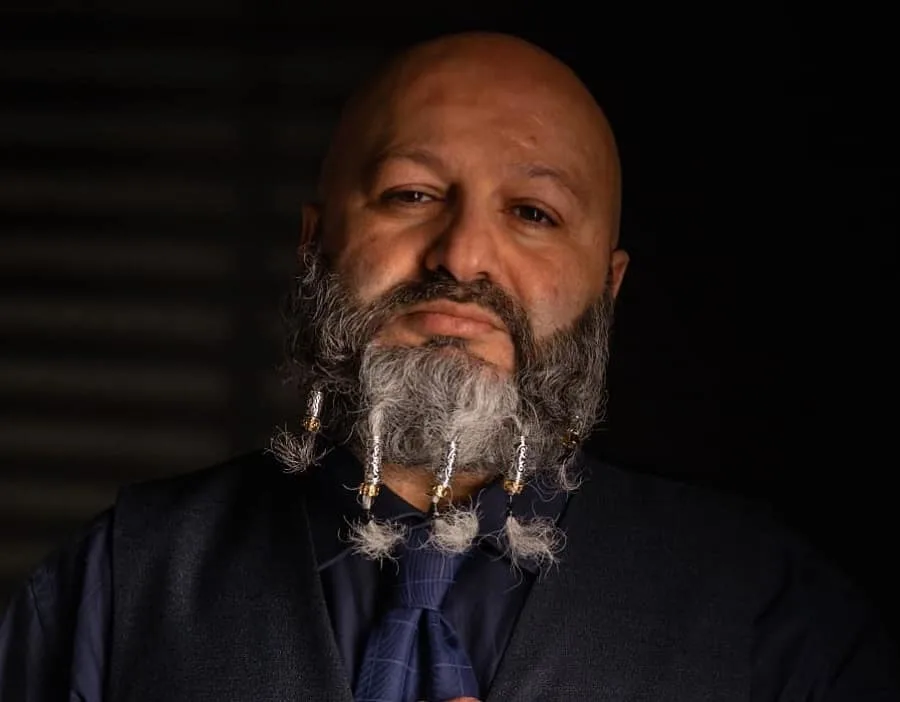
<point x="332" y="505"/>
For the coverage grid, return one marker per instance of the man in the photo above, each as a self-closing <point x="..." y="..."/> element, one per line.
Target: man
<point x="437" y="533"/>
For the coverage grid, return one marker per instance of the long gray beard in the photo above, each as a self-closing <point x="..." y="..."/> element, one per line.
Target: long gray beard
<point x="426" y="396"/>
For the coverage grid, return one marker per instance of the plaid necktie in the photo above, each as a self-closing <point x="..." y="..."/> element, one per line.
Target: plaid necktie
<point x="414" y="653"/>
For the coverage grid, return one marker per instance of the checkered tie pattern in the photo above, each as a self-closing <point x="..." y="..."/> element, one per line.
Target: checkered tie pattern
<point x="414" y="653"/>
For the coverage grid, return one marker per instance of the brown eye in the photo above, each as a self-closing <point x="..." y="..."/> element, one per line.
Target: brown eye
<point x="534" y="215"/>
<point x="408" y="197"/>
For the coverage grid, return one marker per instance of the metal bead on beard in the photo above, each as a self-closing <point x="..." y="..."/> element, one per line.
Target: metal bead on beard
<point x="445" y="412"/>
<point x="414" y="403"/>
<point x="373" y="538"/>
<point x="299" y="452"/>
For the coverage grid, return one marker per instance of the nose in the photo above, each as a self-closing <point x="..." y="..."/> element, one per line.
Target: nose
<point x="465" y="248"/>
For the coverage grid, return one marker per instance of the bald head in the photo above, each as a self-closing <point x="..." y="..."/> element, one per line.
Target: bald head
<point x="481" y="160"/>
<point x="500" y="75"/>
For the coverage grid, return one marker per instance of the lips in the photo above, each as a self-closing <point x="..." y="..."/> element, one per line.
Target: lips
<point x="453" y="314"/>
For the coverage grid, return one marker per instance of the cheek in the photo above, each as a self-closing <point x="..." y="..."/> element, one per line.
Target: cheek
<point x="371" y="264"/>
<point x="555" y="296"/>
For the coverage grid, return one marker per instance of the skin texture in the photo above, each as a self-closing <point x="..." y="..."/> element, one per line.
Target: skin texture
<point x="477" y="156"/>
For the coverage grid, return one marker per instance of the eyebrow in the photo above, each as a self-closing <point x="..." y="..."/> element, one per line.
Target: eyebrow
<point x="557" y="175"/>
<point x="425" y="157"/>
<point x="418" y="155"/>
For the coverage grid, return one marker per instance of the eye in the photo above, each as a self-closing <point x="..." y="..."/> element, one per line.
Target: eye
<point x="534" y="215"/>
<point x="408" y="197"/>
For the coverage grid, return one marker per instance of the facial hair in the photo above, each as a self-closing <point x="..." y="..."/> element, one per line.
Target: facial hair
<point x="425" y="396"/>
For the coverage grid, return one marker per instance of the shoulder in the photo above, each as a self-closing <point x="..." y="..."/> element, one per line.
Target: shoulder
<point x="707" y="540"/>
<point x="181" y="522"/>
<point x="717" y="551"/>
<point x="57" y="584"/>
<point x="683" y="510"/>
<point x="248" y="471"/>
<point x="245" y="482"/>
<point x="61" y="609"/>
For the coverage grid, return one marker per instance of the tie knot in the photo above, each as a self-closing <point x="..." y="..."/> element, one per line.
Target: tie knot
<point x="425" y="576"/>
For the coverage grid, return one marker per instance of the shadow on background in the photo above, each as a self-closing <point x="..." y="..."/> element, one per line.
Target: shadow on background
<point x="155" y="156"/>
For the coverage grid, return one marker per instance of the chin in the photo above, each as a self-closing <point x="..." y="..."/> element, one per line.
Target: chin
<point x="446" y="342"/>
<point x="454" y="345"/>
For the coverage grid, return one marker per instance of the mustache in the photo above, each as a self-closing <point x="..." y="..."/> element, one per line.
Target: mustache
<point x="439" y="286"/>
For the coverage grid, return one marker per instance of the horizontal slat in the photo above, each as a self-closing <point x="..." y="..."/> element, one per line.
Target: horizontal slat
<point x="280" y="398"/>
<point x="192" y="226"/>
<point x="36" y="95"/>
<point x="83" y="438"/>
<point x="281" y="260"/>
<point x="34" y="342"/>
<point x="258" y="98"/>
<point x="138" y="382"/>
<point x="128" y="193"/>
<point x="119" y="129"/>
<point x="40" y="526"/>
<point x="174" y="67"/>
<point x="288" y="197"/>
<point x="20" y="557"/>
<point x="209" y="168"/>
<point x="55" y="253"/>
<point x="151" y="66"/>
<point x="105" y="470"/>
<point x="113" y="318"/>
<point x="227" y="294"/>
<point x="162" y="130"/>
<point x="135" y="192"/>
<point x="181" y="412"/>
<point x="137" y="9"/>
<point x="327" y="30"/>
<point x="41" y="499"/>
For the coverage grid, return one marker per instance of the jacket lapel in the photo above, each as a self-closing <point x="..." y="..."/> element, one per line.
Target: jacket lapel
<point x="536" y="643"/>
<point x="217" y="592"/>
<point x="541" y="649"/>
<point x="329" y="681"/>
<point x="539" y="639"/>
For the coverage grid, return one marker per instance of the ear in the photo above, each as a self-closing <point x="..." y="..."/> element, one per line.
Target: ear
<point x="310" y="218"/>
<point x="618" y="263"/>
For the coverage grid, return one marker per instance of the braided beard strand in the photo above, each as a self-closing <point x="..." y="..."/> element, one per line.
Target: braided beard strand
<point x="425" y="396"/>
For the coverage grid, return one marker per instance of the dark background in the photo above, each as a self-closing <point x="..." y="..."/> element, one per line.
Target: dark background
<point x="154" y="154"/>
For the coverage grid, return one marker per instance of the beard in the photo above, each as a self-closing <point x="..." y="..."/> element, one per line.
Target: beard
<point x="418" y="399"/>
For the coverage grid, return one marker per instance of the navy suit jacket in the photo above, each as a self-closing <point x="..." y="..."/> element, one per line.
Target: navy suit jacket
<point x="664" y="592"/>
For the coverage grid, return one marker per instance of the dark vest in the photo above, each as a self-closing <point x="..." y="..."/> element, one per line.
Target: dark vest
<point x="217" y="596"/>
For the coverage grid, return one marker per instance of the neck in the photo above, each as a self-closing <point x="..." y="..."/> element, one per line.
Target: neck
<point x="413" y="484"/>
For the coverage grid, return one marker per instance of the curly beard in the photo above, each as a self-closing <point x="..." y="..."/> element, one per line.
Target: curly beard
<point x="424" y="396"/>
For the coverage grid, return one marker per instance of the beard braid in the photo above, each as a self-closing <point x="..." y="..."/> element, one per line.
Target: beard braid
<point x="426" y="396"/>
<point x="538" y="540"/>
<point x="296" y="453"/>
<point x="375" y="539"/>
<point x="454" y="529"/>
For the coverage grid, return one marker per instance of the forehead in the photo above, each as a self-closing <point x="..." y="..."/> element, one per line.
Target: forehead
<point x="505" y="117"/>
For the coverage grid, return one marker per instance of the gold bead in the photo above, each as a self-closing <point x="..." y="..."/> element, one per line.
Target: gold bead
<point x="312" y="424"/>
<point x="571" y="438"/>
<point x="369" y="489"/>
<point x="513" y="487"/>
<point x="438" y="490"/>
